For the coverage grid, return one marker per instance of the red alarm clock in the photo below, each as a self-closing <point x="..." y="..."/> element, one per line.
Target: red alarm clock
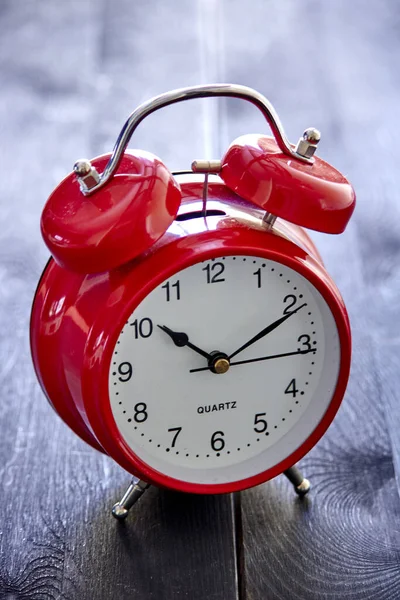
<point x="185" y="324"/>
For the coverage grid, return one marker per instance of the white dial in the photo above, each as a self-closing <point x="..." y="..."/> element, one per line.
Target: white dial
<point x="187" y="420"/>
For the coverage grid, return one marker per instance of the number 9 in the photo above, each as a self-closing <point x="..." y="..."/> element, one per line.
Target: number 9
<point x="125" y="370"/>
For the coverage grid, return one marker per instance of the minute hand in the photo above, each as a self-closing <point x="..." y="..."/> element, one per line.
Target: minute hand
<point x="266" y="331"/>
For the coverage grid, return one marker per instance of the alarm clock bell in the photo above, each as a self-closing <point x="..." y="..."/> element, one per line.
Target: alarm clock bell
<point x="140" y="254"/>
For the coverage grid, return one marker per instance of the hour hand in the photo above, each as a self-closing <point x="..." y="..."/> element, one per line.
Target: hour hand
<point x="181" y="339"/>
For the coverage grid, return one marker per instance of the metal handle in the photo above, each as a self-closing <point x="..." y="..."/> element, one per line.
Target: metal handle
<point x="199" y="91"/>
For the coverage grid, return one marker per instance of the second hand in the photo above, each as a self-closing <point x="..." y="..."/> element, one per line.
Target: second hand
<point x="251" y="360"/>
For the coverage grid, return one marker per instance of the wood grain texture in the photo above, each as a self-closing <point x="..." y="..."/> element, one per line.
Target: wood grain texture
<point x="71" y="73"/>
<point x="335" y="61"/>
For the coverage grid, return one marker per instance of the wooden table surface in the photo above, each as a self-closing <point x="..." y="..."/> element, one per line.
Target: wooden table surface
<point x="71" y="72"/>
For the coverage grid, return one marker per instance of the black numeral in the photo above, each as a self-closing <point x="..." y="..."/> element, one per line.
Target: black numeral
<point x="143" y="328"/>
<point x="258" y="273"/>
<point x="292" y="389"/>
<point x="140" y="412"/>
<point x="214" y="271"/>
<point x="169" y="291"/>
<point x="217" y="441"/>
<point x="291" y="299"/>
<point x="262" y="423"/>
<point x="178" y="430"/>
<point x="305" y="341"/>
<point x="125" y="370"/>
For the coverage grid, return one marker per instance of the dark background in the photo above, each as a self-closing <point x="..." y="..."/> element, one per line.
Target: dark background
<point x="70" y="74"/>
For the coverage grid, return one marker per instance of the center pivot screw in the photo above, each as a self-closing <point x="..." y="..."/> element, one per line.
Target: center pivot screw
<point x="219" y="363"/>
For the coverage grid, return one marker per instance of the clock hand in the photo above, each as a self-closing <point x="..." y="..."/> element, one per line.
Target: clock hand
<point x="181" y="339"/>
<point x="251" y="360"/>
<point x="266" y="331"/>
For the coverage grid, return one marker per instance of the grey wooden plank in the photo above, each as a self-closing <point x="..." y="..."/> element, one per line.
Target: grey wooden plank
<point x="331" y="66"/>
<point x="71" y="73"/>
<point x="42" y="110"/>
<point x="147" y="51"/>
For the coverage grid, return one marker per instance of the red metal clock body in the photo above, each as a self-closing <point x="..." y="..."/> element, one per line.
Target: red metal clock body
<point x="101" y="274"/>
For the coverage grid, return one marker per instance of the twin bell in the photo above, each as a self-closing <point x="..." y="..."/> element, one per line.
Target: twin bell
<point x="115" y="207"/>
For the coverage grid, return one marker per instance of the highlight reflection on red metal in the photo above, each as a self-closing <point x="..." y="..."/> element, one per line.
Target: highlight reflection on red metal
<point x="90" y="234"/>
<point x="314" y="195"/>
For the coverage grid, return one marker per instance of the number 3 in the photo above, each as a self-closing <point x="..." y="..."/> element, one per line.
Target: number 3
<point x="305" y="341"/>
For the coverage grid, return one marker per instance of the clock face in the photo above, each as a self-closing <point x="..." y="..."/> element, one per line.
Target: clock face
<point x="224" y="370"/>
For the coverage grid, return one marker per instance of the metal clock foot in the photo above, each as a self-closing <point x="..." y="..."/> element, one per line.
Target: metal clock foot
<point x="135" y="490"/>
<point x="300" y="483"/>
